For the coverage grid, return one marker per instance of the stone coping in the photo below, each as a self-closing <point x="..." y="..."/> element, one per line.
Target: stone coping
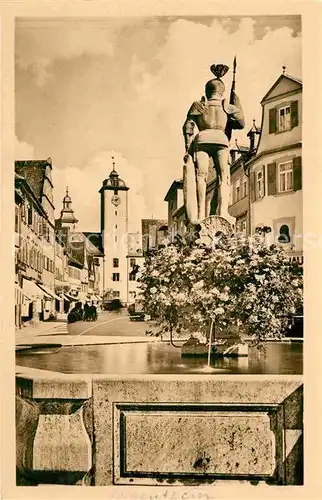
<point x="41" y="384"/>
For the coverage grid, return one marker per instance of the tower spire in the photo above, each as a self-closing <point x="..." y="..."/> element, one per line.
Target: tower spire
<point x="67" y="216"/>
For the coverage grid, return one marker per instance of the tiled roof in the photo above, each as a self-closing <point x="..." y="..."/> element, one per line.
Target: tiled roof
<point x="177" y="184"/>
<point x="294" y="78"/>
<point x="34" y="173"/>
<point x="76" y="251"/>
<point x="91" y="248"/>
<point x="95" y="239"/>
<point x="148" y="223"/>
<point x="281" y="77"/>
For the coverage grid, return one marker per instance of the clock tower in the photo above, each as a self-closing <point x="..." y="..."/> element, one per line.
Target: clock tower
<point x="114" y="230"/>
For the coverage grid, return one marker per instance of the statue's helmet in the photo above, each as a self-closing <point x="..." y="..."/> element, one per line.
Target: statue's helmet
<point x="214" y="86"/>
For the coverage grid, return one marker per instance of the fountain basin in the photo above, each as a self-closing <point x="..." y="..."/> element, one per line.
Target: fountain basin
<point x="162" y="358"/>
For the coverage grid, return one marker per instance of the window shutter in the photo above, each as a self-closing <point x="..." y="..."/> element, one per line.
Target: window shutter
<point x="294" y="114"/>
<point x="30" y="215"/>
<point x="297" y="173"/>
<point x="272" y="121"/>
<point x="264" y="180"/>
<point x="271" y="179"/>
<point x="252" y="187"/>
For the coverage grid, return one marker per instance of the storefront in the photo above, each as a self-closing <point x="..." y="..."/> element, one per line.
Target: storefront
<point x="39" y="302"/>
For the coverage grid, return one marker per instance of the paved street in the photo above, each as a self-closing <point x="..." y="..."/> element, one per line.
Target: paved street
<point x="110" y="324"/>
<point x="110" y="328"/>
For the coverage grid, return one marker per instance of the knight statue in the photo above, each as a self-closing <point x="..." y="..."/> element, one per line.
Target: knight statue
<point x="215" y="118"/>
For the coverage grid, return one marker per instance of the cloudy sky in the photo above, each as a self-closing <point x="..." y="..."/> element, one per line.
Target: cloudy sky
<point x="88" y="89"/>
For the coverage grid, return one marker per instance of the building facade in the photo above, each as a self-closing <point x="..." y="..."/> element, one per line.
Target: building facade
<point x="154" y="231"/>
<point x="275" y="172"/>
<point x="135" y="262"/>
<point x="84" y="260"/>
<point x="34" y="241"/>
<point x="114" y="231"/>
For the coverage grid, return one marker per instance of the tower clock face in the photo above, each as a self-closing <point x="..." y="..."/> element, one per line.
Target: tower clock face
<point x="116" y="200"/>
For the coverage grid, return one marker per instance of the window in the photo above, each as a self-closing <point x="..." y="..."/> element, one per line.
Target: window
<point x="259" y="184"/>
<point x="245" y="187"/>
<point x="116" y="294"/>
<point x="116" y="276"/>
<point x="285" y="177"/>
<point x="132" y="262"/>
<point x="238" y="190"/>
<point x="131" y="277"/>
<point x="40" y="226"/>
<point x="244" y="227"/>
<point x="115" y="262"/>
<point x="284" y="234"/>
<point x="115" y="212"/>
<point x="23" y="211"/>
<point x="115" y="238"/>
<point x="16" y="219"/>
<point x="284" y="118"/>
<point x="30" y="214"/>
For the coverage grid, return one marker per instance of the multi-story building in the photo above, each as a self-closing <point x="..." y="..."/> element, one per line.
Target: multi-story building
<point x="83" y="280"/>
<point x="60" y="266"/>
<point x="35" y="240"/>
<point x="239" y="203"/>
<point x="135" y="261"/>
<point x="114" y="234"/>
<point x="275" y="172"/>
<point x="154" y="231"/>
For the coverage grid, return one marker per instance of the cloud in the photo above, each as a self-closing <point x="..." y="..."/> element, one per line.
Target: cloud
<point x="37" y="49"/>
<point x="23" y="150"/>
<point x="191" y="48"/>
<point x="83" y="186"/>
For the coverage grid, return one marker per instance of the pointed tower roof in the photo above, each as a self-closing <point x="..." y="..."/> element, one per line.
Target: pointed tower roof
<point x="254" y="129"/>
<point x="114" y="181"/>
<point x="67" y="214"/>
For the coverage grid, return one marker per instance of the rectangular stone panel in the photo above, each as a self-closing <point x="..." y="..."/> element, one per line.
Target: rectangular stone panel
<point x="195" y="441"/>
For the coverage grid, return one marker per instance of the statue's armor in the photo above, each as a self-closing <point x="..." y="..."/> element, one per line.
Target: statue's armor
<point x="211" y="120"/>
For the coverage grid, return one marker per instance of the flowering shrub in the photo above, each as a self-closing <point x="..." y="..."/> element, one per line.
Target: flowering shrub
<point x="239" y="282"/>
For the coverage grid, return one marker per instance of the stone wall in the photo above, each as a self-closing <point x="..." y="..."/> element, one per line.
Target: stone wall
<point x="147" y="430"/>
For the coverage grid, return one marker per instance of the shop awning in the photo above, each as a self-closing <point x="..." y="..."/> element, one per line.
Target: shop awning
<point x="66" y="297"/>
<point x="31" y="290"/>
<point x="71" y="298"/>
<point x="49" y="292"/>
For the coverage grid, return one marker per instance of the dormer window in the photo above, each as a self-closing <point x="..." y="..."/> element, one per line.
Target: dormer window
<point x="284" y="118"/>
